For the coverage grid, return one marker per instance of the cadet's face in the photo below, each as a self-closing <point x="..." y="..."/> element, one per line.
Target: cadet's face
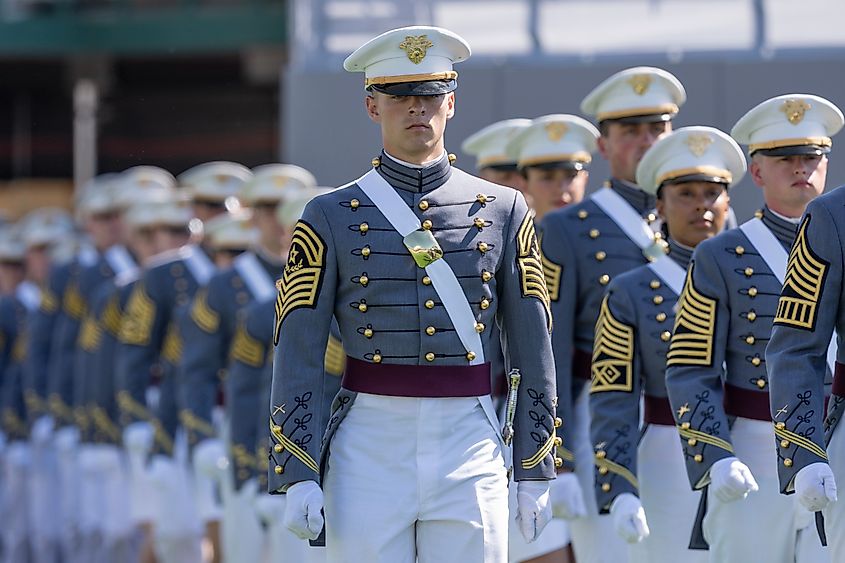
<point x="624" y="144"/>
<point x="171" y="238"/>
<point x="204" y="211"/>
<point x="272" y="233"/>
<point x="38" y="263"/>
<point x="547" y="190"/>
<point x="693" y="211"/>
<point x="106" y="229"/>
<point x="510" y="178"/>
<point x="11" y="275"/>
<point x="412" y="126"/>
<point x="143" y="244"/>
<point x="789" y="183"/>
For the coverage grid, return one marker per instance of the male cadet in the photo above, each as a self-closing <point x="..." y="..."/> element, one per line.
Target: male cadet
<point x="150" y="343"/>
<point x="416" y="470"/>
<point x="716" y="371"/>
<point x="584" y="247"/>
<point x="491" y="159"/>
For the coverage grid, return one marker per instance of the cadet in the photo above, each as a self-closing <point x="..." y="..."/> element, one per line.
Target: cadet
<point x="724" y="319"/>
<point x="689" y="171"/>
<point x="491" y="159"/>
<point x="585" y="246"/>
<point x="416" y="467"/>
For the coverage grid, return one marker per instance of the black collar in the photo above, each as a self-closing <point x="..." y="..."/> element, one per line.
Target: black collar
<point x="680" y="253"/>
<point x="417" y="180"/>
<point x="641" y="201"/>
<point x="782" y="229"/>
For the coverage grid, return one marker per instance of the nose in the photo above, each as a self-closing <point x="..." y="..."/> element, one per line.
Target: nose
<point x="416" y="105"/>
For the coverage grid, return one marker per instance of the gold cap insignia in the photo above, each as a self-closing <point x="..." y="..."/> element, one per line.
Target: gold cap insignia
<point x="640" y="83"/>
<point x="556" y="131"/>
<point x="280" y="181"/>
<point x="699" y="143"/>
<point x="416" y="47"/>
<point x="794" y="110"/>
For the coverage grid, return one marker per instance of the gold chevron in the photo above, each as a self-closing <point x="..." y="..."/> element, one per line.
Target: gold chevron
<point x="246" y="349"/>
<point x="618" y="469"/>
<point x="805" y="275"/>
<point x="613" y="353"/>
<point x="530" y="266"/>
<point x="335" y="359"/>
<point x="194" y="423"/>
<point x="545" y="449"/>
<point x="111" y="320"/>
<point x="72" y="302"/>
<point x="90" y="334"/>
<point x="171" y="348"/>
<point x="206" y="318"/>
<point x="552" y="272"/>
<point x="137" y="324"/>
<point x="20" y="347"/>
<point x="49" y="301"/>
<point x="303" y="274"/>
<point x="692" y="343"/>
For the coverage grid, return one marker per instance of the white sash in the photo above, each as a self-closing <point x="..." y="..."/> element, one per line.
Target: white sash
<point x="626" y="217"/>
<point x="199" y="264"/>
<point x="670" y="272"/>
<point x="260" y="284"/>
<point x="120" y="261"/>
<point x="776" y="259"/>
<point x="29" y="295"/>
<point x="391" y="205"/>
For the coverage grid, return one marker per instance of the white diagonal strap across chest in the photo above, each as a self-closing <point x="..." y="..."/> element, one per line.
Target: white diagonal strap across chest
<point x="391" y="205"/>
<point x="626" y="217"/>
<point x="256" y="278"/>
<point x="776" y="259"/>
<point x="199" y="265"/>
<point x="670" y="272"/>
<point x="29" y="294"/>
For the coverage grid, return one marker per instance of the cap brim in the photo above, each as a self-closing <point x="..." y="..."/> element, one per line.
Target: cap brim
<point x="649" y="118"/>
<point x="509" y="167"/>
<point x="425" y="88"/>
<point x="559" y="165"/>
<point x="696" y="178"/>
<point x="795" y="150"/>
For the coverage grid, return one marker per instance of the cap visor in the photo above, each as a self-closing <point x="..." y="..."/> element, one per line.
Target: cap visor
<point x="795" y="150"/>
<point x="426" y="88"/>
<point x="559" y="165"/>
<point x="649" y="118"/>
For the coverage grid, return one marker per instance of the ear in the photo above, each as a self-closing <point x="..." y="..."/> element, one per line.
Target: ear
<point x="450" y="101"/>
<point x="602" y="145"/>
<point x="756" y="173"/>
<point x="371" y="104"/>
<point x="660" y="205"/>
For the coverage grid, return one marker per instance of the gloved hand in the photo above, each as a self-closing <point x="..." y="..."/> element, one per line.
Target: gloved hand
<point x="815" y="486"/>
<point x="567" y="498"/>
<point x="270" y="508"/>
<point x="629" y="518"/>
<point x="42" y="430"/>
<point x="731" y="480"/>
<point x="534" y="510"/>
<point x="209" y="458"/>
<point x="303" y="515"/>
<point x="138" y="438"/>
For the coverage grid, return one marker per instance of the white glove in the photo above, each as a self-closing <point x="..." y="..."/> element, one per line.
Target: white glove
<point x="303" y="515"/>
<point x="138" y="438"/>
<point x="270" y="508"/>
<point x="42" y="430"/>
<point x="731" y="480"/>
<point x="629" y="518"/>
<point x="815" y="486"/>
<point x="534" y="510"/>
<point x="567" y="498"/>
<point x="209" y="458"/>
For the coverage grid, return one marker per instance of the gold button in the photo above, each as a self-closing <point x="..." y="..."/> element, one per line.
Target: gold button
<point x="787" y="462"/>
<point x="601" y="255"/>
<point x="279" y="470"/>
<point x="365" y="251"/>
<point x="486" y="276"/>
<point x="354" y="204"/>
<point x="368" y="332"/>
<point x="749" y="339"/>
<point x="758" y="214"/>
<point x="594" y="233"/>
<point x="558" y="441"/>
<point x="479" y="327"/>
<point x="749" y="272"/>
<point x="478" y="222"/>
<point x="657" y="300"/>
<point x="784" y="443"/>
<point x="651" y="218"/>
<point x="429" y="304"/>
<point x="484" y="303"/>
<point x="426" y="224"/>
<point x="452" y="158"/>
<point x="430" y="330"/>
<point x="665" y="336"/>
<point x="698" y="458"/>
<point x="558" y="422"/>
<point x="278" y="448"/>
<point x="363" y="227"/>
<point x="362" y="307"/>
<point x="692" y="441"/>
<point x="601" y="454"/>
<point x="603" y="470"/>
<point x="654" y="284"/>
<point x="482" y="247"/>
<point x="423" y="205"/>
<point x="605" y="487"/>
<point x="426" y="280"/>
<point x="582" y="214"/>
<point x="277" y="429"/>
<point x="429" y="357"/>
<point x="364" y="280"/>
<point x="604" y="279"/>
<point x="761" y="383"/>
<point x="660" y="317"/>
<point x="558" y="462"/>
<point x="685" y="425"/>
<point x="377" y="358"/>
<point x="481" y="198"/>
<point x="376" y="162"/>
<point x="755" y="361"/>
<point x="780" y="425"/>
<point x="751" y="316"/>
<point x="470" y="356"/>
<point x="739" y="250"/>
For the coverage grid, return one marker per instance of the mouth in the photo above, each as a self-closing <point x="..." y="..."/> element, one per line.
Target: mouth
<point x="802" y="184"/>
<point x="417" y="127"/>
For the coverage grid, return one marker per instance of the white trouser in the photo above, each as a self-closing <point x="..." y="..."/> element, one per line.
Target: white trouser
<point x="834" y="515"/>
<point x="242" y="533"/>
<point x="43" y="525"/>
<point x="280" y="545"/>
<point x="176" y="527"/>
<point x="593" y="538"/>
<point x="669" y="502"/>
<point x="67" y="446"/>
<point x="761" y="527"/>
<point x="554" y="537"/>
<point x="14" y="527"/>
<point x="413" y="479"/>
<point x="91" y="502"/>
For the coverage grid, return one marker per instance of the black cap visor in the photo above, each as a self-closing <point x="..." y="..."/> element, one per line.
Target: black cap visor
<point x="795" y="150"/>
<point x="507" y="167"/>
<point x="425" y="88"/>
<point x="648" y="118"/>
<point x="559" y="165"/>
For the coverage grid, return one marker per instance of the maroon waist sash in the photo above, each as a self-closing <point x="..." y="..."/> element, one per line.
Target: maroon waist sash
<point x="839" y="380"/>
<point x="747" y="403"/>
<point x="581" y="364"/>
<point x="399" y="380"/>
<point x="657" y="410"/>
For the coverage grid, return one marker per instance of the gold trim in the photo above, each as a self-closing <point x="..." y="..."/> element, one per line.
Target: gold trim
<point x="801" y="442"/>
<point x="545" y="449"/>
<point x="802" y="288"/>
<point x="553" y="274"/>
<point x="289" y="445"/>
<point x="633" y="112"/>
<point x="204" y="316"/>
<point x="797" y="142"/>
<point x="192" y="422"/>
<point x="494" y="160"/>
<point x="565" y="454"/>
<point x="709" y="170"/>
<point x="705" y="438"/>
<point x="172" y="348"/>
<point x="618" y="469"/>
<point x="247" y="349"/>
<point x="302" y="277"/>
<point x="580" y="156"/>
<point x="132" y="407"/>
<point x="334" y="362"/>
<point x="382" y="80"/>
<point x="613" y="354"/>
<point x="692" y="340"/>
<point x="532" y="278"/>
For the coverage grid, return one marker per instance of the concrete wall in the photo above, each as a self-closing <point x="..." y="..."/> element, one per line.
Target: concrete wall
<point x="326" y="129"/>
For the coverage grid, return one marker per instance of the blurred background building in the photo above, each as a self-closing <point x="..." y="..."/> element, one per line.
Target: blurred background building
<point x="178" y="82"/>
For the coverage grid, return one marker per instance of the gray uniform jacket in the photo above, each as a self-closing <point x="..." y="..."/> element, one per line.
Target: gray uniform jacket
<point x="12" y="355"/>
<point x="347" y="261"/>
<point x="716" y="368"/>
<point x="583" y="251"/>
<point x="811" y="306"/>
<point x="629" y="362"/>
